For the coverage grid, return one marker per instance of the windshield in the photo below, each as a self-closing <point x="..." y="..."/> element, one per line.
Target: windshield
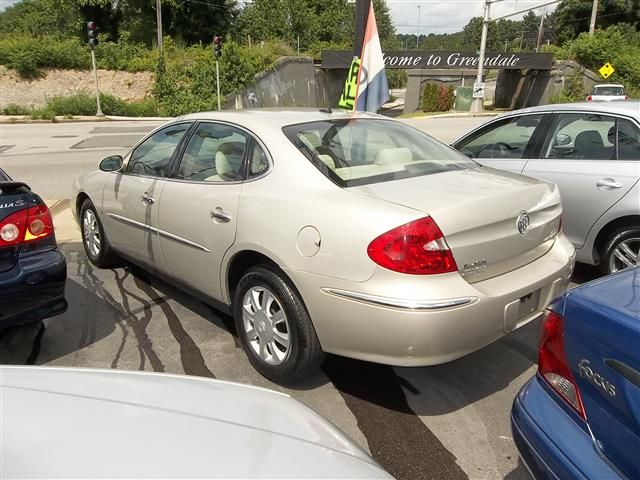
<point x="363" y="151"/>
<point x="608" y="91"/>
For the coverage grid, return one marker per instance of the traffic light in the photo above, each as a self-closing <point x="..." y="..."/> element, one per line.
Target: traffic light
<point x="217" y="46"/>
<point x="92" y="33"/>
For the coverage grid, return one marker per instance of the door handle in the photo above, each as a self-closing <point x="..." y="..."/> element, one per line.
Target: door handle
<point x="608" y="184"/>
<point x="147" y="199"/>
<point x="221" y="215"/>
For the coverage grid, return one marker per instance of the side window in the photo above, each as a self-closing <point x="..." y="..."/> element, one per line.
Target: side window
<point x="508" y="138"/>
<point x="258" y="163"/>
<point x="628" y="140"/>
<point x="153" y="156"/>
<point x="214" y="154"/>
<point x="582" y="136"/>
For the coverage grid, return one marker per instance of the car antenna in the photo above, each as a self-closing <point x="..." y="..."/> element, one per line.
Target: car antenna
<point x="326" y="110"/>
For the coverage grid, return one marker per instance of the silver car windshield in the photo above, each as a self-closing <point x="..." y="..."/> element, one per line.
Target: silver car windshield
<point x="364" y="151"/>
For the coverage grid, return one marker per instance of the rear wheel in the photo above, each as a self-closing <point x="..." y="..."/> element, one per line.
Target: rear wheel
<point x="94" y="240"/>
<point x="621" y="250"/>
<point x="274" y="327"/>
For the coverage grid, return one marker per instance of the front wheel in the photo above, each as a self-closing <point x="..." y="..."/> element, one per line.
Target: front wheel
<point x="622" y="250"/>
<point x="274" y="327"/>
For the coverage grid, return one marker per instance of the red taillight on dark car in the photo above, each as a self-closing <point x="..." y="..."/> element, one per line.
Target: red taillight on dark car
<point x="552" y="362"/>
<point x="417" y="248"/>
<point x="25" y="226"/>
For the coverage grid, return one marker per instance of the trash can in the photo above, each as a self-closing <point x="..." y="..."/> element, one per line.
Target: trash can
<point x="463" y="99"/>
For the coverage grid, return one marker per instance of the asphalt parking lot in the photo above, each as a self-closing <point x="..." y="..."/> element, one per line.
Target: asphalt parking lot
<point x="444" y="422"/>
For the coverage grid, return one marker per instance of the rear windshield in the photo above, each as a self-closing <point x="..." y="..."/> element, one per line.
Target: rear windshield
<point x="608" y="91"/>
<point x="364" y="151"/>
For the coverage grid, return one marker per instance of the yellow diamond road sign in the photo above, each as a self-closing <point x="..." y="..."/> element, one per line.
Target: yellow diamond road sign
<point x="607" y="70"/>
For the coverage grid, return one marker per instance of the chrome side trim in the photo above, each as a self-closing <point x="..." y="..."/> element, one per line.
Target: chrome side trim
<point x="157" y="231"/>
<point x="133" y="223"/>
<point x="182" y="240"/>
<point x="402" y="303"/>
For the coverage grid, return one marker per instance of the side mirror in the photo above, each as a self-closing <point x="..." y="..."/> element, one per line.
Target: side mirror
<point x="112" y="163"/>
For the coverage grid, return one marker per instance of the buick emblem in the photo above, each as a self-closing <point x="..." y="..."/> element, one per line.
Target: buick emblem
<point x="523" y="222"/>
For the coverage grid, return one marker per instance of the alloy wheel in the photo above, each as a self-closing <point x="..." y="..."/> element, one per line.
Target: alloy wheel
<point x="266" y="325"/>
<point x="91" y="233"/>
<point x="625" y="254"/>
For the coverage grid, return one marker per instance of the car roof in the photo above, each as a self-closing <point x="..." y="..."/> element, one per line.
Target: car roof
<point x="608" y="85"/>
<point x="629" y="108"/>
<point x="276" y="117"/>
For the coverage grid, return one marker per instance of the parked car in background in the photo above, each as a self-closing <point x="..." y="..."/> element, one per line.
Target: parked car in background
<point x="33" y="271"/>
<point x="608" y="92"/>
<point x="592" y="152"/>
<point x="330" y="232"/>
<point x="119" y="424"/>
<point x="579" y="417"/>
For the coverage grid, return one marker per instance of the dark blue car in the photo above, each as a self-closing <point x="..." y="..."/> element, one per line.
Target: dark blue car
<point x="579" y="417"/>
<point x="33" y="271"/>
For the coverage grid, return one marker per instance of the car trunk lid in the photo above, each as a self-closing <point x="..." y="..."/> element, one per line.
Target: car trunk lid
<point x="602" y="336"/>
<point x="478" y="211"/>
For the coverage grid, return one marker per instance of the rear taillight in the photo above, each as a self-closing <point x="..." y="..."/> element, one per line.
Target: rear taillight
<point x="589" y="98"/>
<point x="552" y="362"/>
<point x="626" y="97"/>
<point x="417" y="248"/>
<point x="25" y="226"/>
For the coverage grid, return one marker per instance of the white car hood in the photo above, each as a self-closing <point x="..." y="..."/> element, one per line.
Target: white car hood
<point x="114" y="424"/>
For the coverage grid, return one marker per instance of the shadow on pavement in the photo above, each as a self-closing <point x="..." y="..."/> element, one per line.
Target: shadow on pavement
<point x="89" y="319"/>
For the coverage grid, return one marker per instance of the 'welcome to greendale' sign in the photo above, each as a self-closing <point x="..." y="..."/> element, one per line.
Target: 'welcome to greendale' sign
<point x="445" y="59"/>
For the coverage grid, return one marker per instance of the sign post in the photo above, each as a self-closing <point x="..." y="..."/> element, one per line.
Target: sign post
<point x="92" y="34"/>
<point x="478" y="90"/>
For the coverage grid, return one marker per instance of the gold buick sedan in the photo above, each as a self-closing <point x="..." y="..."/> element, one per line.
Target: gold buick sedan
<point x="319" y="231"/>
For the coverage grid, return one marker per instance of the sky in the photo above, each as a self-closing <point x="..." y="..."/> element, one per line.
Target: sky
<point x="436" y="16"/>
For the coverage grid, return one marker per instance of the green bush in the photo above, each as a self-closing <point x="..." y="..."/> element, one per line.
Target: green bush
<point x="618" y="45"/>
<point x="430" y="98"/>
<point x="78" y="104"/>
<point x="13" y="109"/>
<point x="397" y="78"/>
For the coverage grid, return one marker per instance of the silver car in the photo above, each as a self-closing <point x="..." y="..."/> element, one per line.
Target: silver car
<point x="608" y="92"/>
<point x="322" y="232"/>
<point x="85" y="423"/>
<point x="592" y="152"/>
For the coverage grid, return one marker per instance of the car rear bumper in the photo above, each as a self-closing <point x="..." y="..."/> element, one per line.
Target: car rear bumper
<point x="408" y="320"/>
<point x="551" y="444"/>
<point x="33" y="289"/>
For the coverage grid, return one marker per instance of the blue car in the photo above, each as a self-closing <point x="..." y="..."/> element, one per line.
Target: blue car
<point x="579" y="417"/>
<point x="33" y="271"/>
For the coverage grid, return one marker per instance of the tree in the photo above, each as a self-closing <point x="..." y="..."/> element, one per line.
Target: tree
<point x="573" y="16"/>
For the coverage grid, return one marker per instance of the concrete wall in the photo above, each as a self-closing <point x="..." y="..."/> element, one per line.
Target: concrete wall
<point x="292" y="82"/>
<point x="416" y="79"/>
<point x="527" y="88"/>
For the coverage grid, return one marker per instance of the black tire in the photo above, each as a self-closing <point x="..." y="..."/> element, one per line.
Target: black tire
<point x="104" y="257"/>
<point x="630" y="237"/>
<point x="304" y="355"/>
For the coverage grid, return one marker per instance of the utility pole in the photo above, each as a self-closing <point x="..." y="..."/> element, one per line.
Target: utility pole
<point x="476" y="106"/>
<point x="418" y="36"/>
<point x="159" y="24"/>
<point x="540" y="31"/>
<point x="594" y="14"/>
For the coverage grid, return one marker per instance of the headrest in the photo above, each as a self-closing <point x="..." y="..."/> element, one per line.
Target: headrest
<point x="393" y="156"/>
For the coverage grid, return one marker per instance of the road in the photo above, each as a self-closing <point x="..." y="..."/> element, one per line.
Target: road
<point x="445" y="422"/>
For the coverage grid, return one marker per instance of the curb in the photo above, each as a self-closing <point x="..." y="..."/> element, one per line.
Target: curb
<point x="453" y="115"/>
<point x="20" y="120"/>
